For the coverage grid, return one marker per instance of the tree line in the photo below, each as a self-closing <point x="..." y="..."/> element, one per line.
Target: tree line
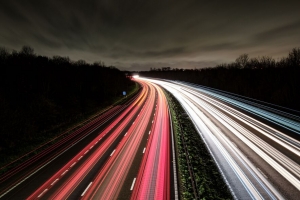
<point x="39" y="93"/>
<point x="262" y="78"/>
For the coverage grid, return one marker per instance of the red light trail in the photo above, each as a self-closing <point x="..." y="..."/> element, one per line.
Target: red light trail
<point x="149" y="109"/>
<point x="153" y="181"/>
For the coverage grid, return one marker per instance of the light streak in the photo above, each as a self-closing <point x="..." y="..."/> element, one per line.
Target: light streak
<point x="209" y="109"/>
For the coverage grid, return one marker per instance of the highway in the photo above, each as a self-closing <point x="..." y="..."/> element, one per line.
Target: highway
<point x="127" y="152"/>
<point x="18" y="182"/>
<point x="153" y="180"/>
<point x="255" y="146"/>
<point x="114" y="162"/>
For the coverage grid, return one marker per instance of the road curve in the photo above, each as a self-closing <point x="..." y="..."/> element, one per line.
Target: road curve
<point x="110" y="180"/>
<point x="153" y="180"/>
<point x="256" y="147"/>
<point x="119" y="153"/>
<point x="20" y="181"/>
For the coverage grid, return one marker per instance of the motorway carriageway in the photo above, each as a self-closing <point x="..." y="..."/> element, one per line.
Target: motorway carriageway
<point x="256" y="147"/>
<point x="130" y="158"/>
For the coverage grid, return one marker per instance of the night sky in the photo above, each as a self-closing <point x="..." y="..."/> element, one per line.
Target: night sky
<point x="139" y="34"/>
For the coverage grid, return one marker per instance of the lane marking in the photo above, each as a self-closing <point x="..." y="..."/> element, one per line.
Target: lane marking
<point x="91" y="146"/>
<point x="262" y="172"/>
<point x="86" y="189"/>
<point x="144" y="150"/>
<point x="43" y="193"/>
<point x="54" y="181"/>
<point x="86" y="151"/>
<point x="132" y="185"/>
<point x="234" y="144"/>
<point x="152" y="121"/>
<point x="79" y="157"/>
<point x="133" y="123"/>
<point x="64" y="172"/>
<point x="41" y="167"/>
<point x="125" y="134"/>
<point x="112" y="153"/>
<point x="149" y="132"/>
<point x="73" y="164"/>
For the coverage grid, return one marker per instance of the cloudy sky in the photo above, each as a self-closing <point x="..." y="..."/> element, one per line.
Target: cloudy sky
<point x="139" y="34"/>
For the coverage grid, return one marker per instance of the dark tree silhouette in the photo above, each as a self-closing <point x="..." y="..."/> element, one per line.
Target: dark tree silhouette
<point x="294" y="58"/>
<point x="38" y="93"/>
<point x="27" y="50"/>
<point x="260" y="78"/>
<point x="242" y="60"/>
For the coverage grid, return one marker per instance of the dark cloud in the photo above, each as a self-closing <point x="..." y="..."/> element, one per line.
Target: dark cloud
<point x="221" y="46"/>
<point x="138" y="34"/>
<point x="281" y="32"/>
<point x="41" y="39"/>
<point x="164" y="53"/>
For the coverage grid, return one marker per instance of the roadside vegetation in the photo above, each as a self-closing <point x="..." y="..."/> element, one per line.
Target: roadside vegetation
<point x="42" y="97"/>
<point x="198" y="175"/>
<point x="262" y="78"/>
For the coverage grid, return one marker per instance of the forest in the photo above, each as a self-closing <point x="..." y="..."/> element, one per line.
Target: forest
<point x="39" y="94"/>
<point x="262" y="78"/>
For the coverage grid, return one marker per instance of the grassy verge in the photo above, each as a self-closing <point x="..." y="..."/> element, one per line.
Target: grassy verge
<point x="194" y="158"/>
<point x="56" y="133"/>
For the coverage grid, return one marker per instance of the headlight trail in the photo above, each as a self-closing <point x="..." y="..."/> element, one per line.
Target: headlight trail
<point x="259" y="159"/>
